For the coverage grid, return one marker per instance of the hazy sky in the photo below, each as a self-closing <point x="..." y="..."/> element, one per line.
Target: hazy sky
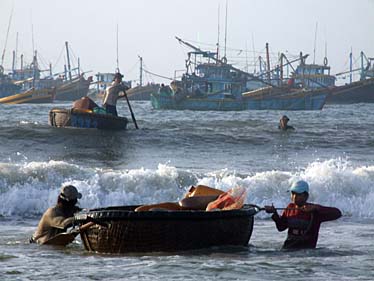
<point x="147" y="28"/>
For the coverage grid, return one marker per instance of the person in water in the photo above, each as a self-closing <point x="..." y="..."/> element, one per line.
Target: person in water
<point x="302" y="219"/>
<point x="58" y="218"/>
<point x="116" y="91"/>
<point x="283" y="124"/>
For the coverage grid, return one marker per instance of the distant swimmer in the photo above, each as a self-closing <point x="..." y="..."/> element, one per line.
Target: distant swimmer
<point x="57" y="219"/>
<point x="283" y="124"/>
<point x="302" y="219"/>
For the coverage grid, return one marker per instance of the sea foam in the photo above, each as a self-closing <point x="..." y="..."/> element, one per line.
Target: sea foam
<point x="29" y="189"/>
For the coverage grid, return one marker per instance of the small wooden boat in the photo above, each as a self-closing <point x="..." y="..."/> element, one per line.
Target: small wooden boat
<point x="81" y="118"/>
<point x="45" y="95"/>
<point x="167" y="231"/>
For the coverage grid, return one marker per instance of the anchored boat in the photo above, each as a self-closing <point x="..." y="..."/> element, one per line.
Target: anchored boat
<point x="31" y="96"/>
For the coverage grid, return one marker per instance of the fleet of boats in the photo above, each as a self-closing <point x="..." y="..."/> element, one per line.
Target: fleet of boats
<point x="208" y="83"/>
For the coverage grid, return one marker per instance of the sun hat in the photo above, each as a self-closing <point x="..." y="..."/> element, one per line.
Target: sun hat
<point x="118" y="75"/>
<point x="69" y="193"/>
<point x="299" y="187"/>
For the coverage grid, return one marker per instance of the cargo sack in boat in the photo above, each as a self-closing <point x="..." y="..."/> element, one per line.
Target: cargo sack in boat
<point x="84" y="103"/>
<point x="230" y="200"/>
<point x="203" y="190"/>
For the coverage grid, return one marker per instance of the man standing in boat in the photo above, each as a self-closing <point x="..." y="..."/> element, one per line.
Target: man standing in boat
<point x="116" y="91"/>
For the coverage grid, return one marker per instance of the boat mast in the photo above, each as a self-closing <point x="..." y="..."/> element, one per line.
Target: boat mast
<point x="141" y="71"/>
<point x="117" y="60"/>
<point x="68" y="59"/>
<point x="315" y="43"/>
<point x="218" y="33"/>
<point x="350" y="66"/>
<point x="268" y="62"/>
<point x="225" y="33"/>
<point x="6" y="38"/>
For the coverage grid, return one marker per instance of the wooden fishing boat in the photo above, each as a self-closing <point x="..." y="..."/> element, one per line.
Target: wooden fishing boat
<point x="45" y="95"/>
<point x="74" y="89"/>
<point x="169" y="231"/>
<point x="286" y="99"/>
<point x="355" y="92"/>
<point x="82" y="118"/>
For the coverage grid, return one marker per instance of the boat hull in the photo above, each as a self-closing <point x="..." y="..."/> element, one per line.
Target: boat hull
<point x="356" y="92"/>
<point x="122" y="230"/>
<point x="292" y="102"/>
<point x="288" y="101"/>
<point x="202" y="104"/>
<point x="85" y="119"/>
<point x="31" y="96"/>
<point x="74" y="90"/>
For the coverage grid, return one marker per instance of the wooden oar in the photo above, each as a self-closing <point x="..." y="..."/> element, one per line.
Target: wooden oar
<point x="258" y="208"/>
<point x="132" y="113"/>
<point x="62" y="239"/>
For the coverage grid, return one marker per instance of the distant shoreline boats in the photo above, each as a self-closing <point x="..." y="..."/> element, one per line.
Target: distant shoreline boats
<point x="216" y="85"/>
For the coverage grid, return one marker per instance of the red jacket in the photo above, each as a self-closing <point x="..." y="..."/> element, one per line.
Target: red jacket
<point x="303" y="227"/>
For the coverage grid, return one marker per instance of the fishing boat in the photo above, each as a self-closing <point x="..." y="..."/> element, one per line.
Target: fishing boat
<point x="74" y="89"/>
<point x="122" y="230"/>
<point x="217" y="85"/>
<point x="45" y="95"/>
<point x="361" y="91"/>
<point x="285" y="98"/>
<point x="85" y="118"/>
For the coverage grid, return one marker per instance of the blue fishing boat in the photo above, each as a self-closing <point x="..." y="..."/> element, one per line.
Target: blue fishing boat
<point x="361" y="91"/>
<point x="216" y="85"/>
<point x="285" y="99"/>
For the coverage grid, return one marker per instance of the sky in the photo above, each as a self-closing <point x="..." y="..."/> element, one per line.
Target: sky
<point x="147" y="28"/>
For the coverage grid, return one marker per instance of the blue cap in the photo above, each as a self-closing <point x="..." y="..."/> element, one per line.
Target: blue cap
<point x="299" y="187"/>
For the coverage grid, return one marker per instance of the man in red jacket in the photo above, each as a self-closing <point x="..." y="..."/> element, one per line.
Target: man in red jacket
<point x="302" y="219"/>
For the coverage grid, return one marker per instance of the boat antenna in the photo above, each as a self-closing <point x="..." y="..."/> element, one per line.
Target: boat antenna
<point x="6" y="38"/>
<point x="254" y="53"/>
<point x="117" y="69"/>
<point x="16" y="52"/>
<point x="246" y="56"/>
<point x="218" y="33"/>
<point x="141" y="71"/>
<point x="225" y="32"/>
<point x="315" y="43"/>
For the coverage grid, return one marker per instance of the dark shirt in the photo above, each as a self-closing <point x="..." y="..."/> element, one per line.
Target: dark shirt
<point x="303" y="227"/>
<point x="287" y="127"/>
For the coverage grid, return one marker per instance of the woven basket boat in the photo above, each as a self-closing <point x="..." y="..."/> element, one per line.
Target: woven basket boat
<point x="61" y="117"/>
<point x="122" y="230"/>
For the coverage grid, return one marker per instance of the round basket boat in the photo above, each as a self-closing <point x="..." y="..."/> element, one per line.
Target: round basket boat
<point x="60" y="117"/>
<point x="122" y="230"/>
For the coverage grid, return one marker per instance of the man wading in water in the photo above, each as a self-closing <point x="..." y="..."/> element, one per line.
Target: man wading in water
<point x="302" y="219"/>
<point x="58" y="218"/>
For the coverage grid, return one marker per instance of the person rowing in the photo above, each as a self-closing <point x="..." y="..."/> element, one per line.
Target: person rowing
<point x="116" y="91"/>
<point x="302" y="219"/>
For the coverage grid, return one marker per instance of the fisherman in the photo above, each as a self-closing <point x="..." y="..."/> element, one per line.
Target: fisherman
<point x="116" y="91"/>
<point x="302" y="219"/>
<point x="283" y="124"/>
<point x="58" y="218"/>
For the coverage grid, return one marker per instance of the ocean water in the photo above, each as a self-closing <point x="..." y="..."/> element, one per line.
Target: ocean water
<point x="332" y="149"/>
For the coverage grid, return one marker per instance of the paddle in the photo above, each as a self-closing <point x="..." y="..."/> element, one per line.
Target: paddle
<point x="259" y="209"/>
<point x="132" y="113"/>
<point x="65" y="238"/>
